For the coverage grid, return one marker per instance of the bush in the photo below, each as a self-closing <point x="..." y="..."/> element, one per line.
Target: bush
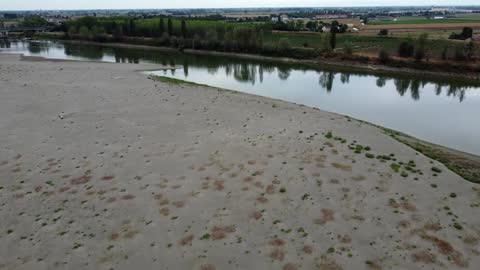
<point x="383" y="32"/>
<point x="459" y="55"/>
<point x="419" y="54"/>
<point x="348" y="48"/>
<point x="406" y="49"/>
<point x="383" y="56"/>
<point x="284" y="45"/>
<point x="467" y="33"/>
<point x="444" y="55"/>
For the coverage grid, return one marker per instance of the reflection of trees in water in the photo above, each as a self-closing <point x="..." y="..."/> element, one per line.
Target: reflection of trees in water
<point x="402" y="85"/>
<point x="185" y="69"/>
<point x="414" y="85"/>
<point x="283" y="72"/>
<point x="79" y="50"/>
<point x="37" y="47"/>
<point x="244" y="70"/>
<point x="5" y="43"/>
<point x="345" y="77"/>
<point x="381" y="81"/>
<point x="326" y="80"/>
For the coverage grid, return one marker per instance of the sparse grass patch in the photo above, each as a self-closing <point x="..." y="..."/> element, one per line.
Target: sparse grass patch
<point x="205" y="237"/>
<point x="171" y="80"/>
<point x="457" y="226"/>
<point x="395" y="167"/>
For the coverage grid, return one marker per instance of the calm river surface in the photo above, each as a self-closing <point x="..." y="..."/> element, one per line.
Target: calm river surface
<point x="435" y="110"/>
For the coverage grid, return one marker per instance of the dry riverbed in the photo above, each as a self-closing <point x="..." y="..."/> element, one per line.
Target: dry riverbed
<point x="102" y="167"/>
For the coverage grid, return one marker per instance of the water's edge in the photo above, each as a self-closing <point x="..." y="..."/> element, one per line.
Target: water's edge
<point x="464" y="164"/>
<point x="317" y="63"/>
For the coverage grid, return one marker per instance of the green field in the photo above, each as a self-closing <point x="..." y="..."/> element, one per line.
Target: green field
<point x="420" y="20"/>
<point x="360" y="43"/>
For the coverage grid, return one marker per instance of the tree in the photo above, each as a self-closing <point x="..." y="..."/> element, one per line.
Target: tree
<point x="444" y="55"/>
<point x="170" y="27"/>
<point x="72" y="30"/>
<point x="84" y="32"/>
<point x="312" y="25"/>
<point x="299" y="25"/>
<point x="383" y="56"/>
<point x="184" y="29"/>
<point x="34" y="21"/>
<point x="132" y="28"/>
<point x="420" y="52"/>
<point x="406" y="49"/>
<point x="284" y="45"/>
<point x="467" y="33"/>
<point x="470" y="50"/>
<point x="117" y="32"/>
<point x="333" y="40"/>
<point x="348" y="48"/>
<point x="162" y="26"/>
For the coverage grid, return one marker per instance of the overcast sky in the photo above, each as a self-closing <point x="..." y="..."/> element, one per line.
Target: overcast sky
<point x="141" y="4"/>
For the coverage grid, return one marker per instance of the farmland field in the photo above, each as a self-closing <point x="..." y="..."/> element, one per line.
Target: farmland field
<point x="421" y="20"/>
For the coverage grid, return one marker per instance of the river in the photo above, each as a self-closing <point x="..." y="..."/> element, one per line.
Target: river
<point x="441" y="111"/>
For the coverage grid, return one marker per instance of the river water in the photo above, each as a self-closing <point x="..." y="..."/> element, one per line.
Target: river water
<point x="438" y="110"/>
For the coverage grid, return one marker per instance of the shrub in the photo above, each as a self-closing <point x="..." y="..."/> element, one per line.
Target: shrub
<point x="383" y="32"/>
<point x="406" y="49"/>
<point x="284" y="45"/>
<point x="348" y="48"/>
<point x="459" y="54"/>
<point x="383" y="56"/>
<point x="444" y="55"/>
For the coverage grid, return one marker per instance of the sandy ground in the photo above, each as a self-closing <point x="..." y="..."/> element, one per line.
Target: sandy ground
<point x="104" y="168"/>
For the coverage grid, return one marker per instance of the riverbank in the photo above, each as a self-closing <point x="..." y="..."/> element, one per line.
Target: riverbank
<point x="429" y="70"/>
<point x="102" y="167"/>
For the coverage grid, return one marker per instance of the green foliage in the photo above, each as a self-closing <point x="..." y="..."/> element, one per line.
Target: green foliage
<point x="161" y="26"/>
<point x="406" y="49"/>
<point x="333" y="40"/>
<point x="184" y="29"/>
<point x="34" y="21"/>
<point x="395" y="167"/>
<point x="383" y="56"/>
<point x="466" y="33"/>
<point x="170" y="26"/>
<point x="348" y="48"/>
<point x="420" y="52"/>
<point x="383" y="32"/>
<point x="284" y="45"/>
<point x="470" y="49"/>
<point x="84" y="32"/>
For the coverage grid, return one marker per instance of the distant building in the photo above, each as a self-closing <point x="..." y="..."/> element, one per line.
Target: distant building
<point x="281" y="18"/>
<point x="331" y="16"/>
